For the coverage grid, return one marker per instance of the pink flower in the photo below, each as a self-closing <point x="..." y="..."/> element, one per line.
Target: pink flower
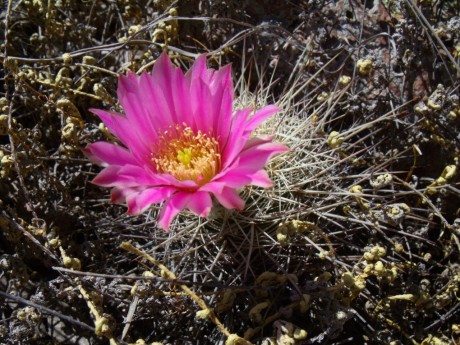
<point x="182" y="143"/>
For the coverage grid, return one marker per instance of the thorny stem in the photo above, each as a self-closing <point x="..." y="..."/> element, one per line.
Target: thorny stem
<point x="10" y="111"/>
<point x="130" y="248"/>
<point x="100" y="321"/>
<point x="28" y="235"/>
<point x="46" y="310"/>
<point x="93" y="310"/>
<point x="76" y="92"/>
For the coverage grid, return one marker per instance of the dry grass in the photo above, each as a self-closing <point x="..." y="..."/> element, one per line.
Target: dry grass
<point x="357" y="241"/>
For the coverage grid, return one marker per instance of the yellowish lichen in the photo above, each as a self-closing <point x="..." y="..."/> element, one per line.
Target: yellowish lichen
<point x="344" y="80"/>
<point x="335" y="139"/>
<point x="364" y="66"/>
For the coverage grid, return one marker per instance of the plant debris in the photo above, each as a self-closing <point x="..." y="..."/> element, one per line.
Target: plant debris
<point x="358" y="240"/>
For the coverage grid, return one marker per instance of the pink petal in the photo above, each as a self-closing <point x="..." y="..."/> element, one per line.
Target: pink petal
<point x="201" y="105"/>
<point x="108" y="176"/>
<point x="119" y="195"/>
<point x="126" y="176"/>
<point x="181" y="97"/>
<point x="116" y="123"/>
<point x="256" y="141"/>
<point x="238" y="178"/>
<point x="140" y="202"/>
<point x="157" y="108"/>
<point x="135" y="102"/>
<point x="213" y="187"/>
<point x="127" y="84"/>
<point x="241" y="130"/>
<point x="173" y="206"/>
<point x="163" y="74"/>
<point x="200" y="203"/>
<point x="123" y="130"/>
<point x="167" y="179"/>
<point x="222" y="125"/>
<point x="222" y="102"/>
<point x="211" y="94"/>
<point x="229" y="199"/>
<point x="222" y="78"/>
<point x="260" y="116"/>
<point x="199" y="70"/>
<point x="261" y="179"/>
<point x="136" y="176"/>
<point x="248" y="166"/>
<point x="104" y="153"/>
<point x="235" y="142"/>
<point x="257" y="157"/>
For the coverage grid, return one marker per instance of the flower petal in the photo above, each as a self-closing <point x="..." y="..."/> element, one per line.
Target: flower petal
<point x="200" y="203"/>
<point x="257" y="152"/>
<point x="211" y="96"/>
<point x="108" y="176"/>
<point x="156" y="106"/>
<point x="135" y="103"/>
<point x="222" y="79"/>
<point x="222" y="125"/>
<point x="240" y="131"/>
<point x="173" y="206"/>
<point x="104" y="153"/>
<point x="229" y="198"/>
<point x="123" y="130"/>
<point x="221" y="102"/>
<point x="199" y="70"/>
<point x="201" y="105"/>
<point x="164" y="75"/>
<point x="236" y="141"/>
<point x="140" y="202"/>
<point x="167" y="94"/>
<point x="119" y="195"/>
<point x="181" y="97"/>
<point x="248" y="166"/>
<point x="260" y="116"/>
<point x="116" y="123"/>
<point x="126" y="176"/>
<point x="238" y="178"/>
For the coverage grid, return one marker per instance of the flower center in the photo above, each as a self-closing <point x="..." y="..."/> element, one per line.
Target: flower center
<point x="186" y="155"/>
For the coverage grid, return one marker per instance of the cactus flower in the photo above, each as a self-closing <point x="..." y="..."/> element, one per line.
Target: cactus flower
<point x="181" y="143"/>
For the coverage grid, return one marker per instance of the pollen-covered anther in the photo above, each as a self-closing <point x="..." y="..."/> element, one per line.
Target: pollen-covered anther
<point x="187" y="155"/>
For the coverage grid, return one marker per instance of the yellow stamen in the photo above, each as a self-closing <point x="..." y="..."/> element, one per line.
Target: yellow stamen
<point x="186" y="155"/>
